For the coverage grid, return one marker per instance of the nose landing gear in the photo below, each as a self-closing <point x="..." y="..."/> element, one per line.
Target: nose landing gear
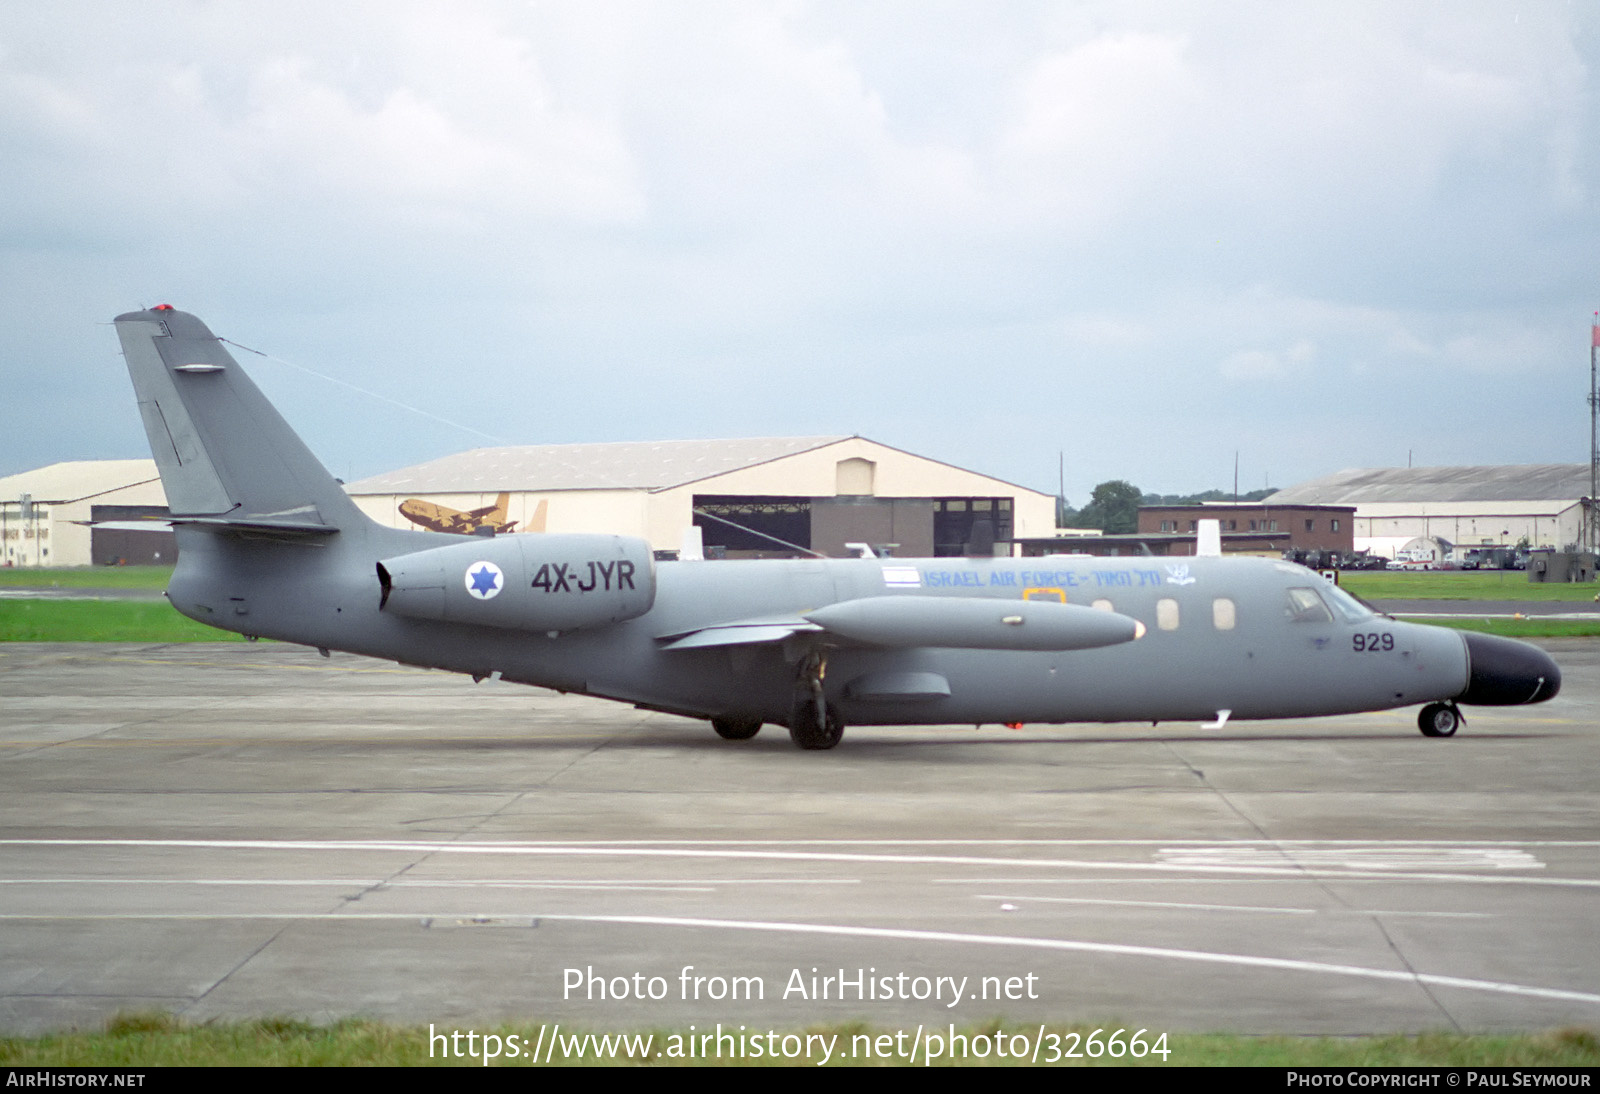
<point x="1440" y="720"/>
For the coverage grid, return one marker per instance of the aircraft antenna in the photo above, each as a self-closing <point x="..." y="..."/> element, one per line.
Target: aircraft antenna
<point x="364" y="391"/>
<point x="1591" y="523"/>
<point x="755" y="532"/>
<point x="553" y="455"/>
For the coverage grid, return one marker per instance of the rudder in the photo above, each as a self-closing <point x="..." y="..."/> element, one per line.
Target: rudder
<point x="225" y="454"/>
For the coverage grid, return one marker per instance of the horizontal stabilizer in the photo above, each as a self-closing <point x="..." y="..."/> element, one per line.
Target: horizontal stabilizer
<point x="264" y="525"/>
<point x="127" y="525"/>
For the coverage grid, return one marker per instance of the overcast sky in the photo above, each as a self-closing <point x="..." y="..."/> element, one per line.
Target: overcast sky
<point x="1142" y="234"/>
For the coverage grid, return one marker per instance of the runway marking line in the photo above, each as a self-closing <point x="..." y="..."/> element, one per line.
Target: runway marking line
<point x="1280" y="964"/>
<point x="646" y="884"/>
<point x="1266" y="909"/>
<point x="615" y="850"/>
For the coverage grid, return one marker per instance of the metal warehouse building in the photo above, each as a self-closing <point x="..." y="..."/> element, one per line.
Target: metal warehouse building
<point x="1468" y="506"/>
<point x="749" y="497"/>
<point x="44" y="514"/>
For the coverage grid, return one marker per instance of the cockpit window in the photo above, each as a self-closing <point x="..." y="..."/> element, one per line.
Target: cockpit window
<point x="1305" y="606"/>
<point x="1346" y="605"/>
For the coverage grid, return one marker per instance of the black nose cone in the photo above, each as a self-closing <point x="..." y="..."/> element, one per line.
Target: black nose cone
<point x="1506" y="672"/>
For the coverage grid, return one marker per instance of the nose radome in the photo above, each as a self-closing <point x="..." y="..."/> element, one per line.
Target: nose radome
<point x="1506" y="672"/>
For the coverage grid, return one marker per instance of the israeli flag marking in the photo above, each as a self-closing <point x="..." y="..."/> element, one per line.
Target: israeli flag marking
<point x="484" y="580"/>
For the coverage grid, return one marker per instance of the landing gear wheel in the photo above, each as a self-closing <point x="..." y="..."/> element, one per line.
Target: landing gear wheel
<point x="810" y="732"/>
<point x="735" y="729"/>
<point x="1439" y="720"/>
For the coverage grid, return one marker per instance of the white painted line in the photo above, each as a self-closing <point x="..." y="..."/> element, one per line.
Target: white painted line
<point x="1396" y="857"/>
<point x="629" y="851"/>
<point x="979" y="842"/>
<point x="520" y="883"/>
<point x="1285" y="964"/>
<point x="345" y="881"/>
<point x="1225" y="907"/>
<point x="1417" y="915"/>
<point x="1147" y="904"/>
<point x="420" y="883"/>
<point x="1280" y="964"/>
<point x="380" y="884"/>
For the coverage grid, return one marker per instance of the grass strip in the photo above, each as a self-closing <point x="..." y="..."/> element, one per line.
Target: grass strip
<point x="1531" y="627"/>
<point x="159" y="1040"/>
<point x="85" y="577"/>
<point x="1462" y="585"/>
<point x="25" y="620"/>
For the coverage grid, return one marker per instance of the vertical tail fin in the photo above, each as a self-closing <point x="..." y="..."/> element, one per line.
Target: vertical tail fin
<point x="226" y="456"/>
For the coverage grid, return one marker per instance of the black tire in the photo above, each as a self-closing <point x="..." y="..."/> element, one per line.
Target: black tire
<point x="735" y="729"/>
<point x="806" y="732"/>
<point x="1439" y="720"/>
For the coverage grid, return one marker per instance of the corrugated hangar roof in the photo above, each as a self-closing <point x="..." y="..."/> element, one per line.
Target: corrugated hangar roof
<point x="76" y="479"/>
<point x="1372" y="485"/>
<point x="625" y="465"/>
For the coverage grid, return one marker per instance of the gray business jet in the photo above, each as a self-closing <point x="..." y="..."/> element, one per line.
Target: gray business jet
<point x="270" y="545"/>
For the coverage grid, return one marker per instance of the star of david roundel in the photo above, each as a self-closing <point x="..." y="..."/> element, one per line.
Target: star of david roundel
<point x="484" y="580"/>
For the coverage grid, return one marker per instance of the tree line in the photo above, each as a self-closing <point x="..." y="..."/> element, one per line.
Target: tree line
<point x="1114" y="506"/>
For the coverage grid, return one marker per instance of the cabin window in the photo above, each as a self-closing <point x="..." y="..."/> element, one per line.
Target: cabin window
<point x="1305" y="606"/>
<point x="1167" y="614"/>
<point x="1335" y="524"/>
<point x="1311" y="525"/>
<point x="1223" y="614"/>
<point x="1102" y="606"/>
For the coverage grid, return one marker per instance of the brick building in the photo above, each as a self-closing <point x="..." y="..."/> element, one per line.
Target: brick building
<point x="1315" y="532"/>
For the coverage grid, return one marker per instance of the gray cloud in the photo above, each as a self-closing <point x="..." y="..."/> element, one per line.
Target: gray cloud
<point x="1147" y="234"/>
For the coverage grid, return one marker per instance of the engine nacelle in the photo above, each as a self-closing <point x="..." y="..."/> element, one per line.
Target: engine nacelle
<point x="535" y="582"/>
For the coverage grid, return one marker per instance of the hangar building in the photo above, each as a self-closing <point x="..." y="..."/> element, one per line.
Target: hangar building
<point x="817" y="493"/>
<point x="40" y="511"/>
<point x="1468" y="506"/>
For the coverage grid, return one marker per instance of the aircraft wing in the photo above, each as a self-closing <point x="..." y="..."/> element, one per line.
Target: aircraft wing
<point x="744" y="633"/>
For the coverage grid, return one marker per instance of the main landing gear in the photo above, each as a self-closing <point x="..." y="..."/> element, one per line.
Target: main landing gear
<point x="736" y="729"/>
<point x="813" y="724"/>
<point x="1440" y="720"/>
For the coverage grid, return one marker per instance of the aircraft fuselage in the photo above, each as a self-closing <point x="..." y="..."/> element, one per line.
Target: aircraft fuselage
<point x="271" y="545"/>
<point x="1219" y="634"/>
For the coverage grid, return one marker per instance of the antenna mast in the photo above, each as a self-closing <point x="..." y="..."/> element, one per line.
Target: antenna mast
<point x="1591" y="516"/>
